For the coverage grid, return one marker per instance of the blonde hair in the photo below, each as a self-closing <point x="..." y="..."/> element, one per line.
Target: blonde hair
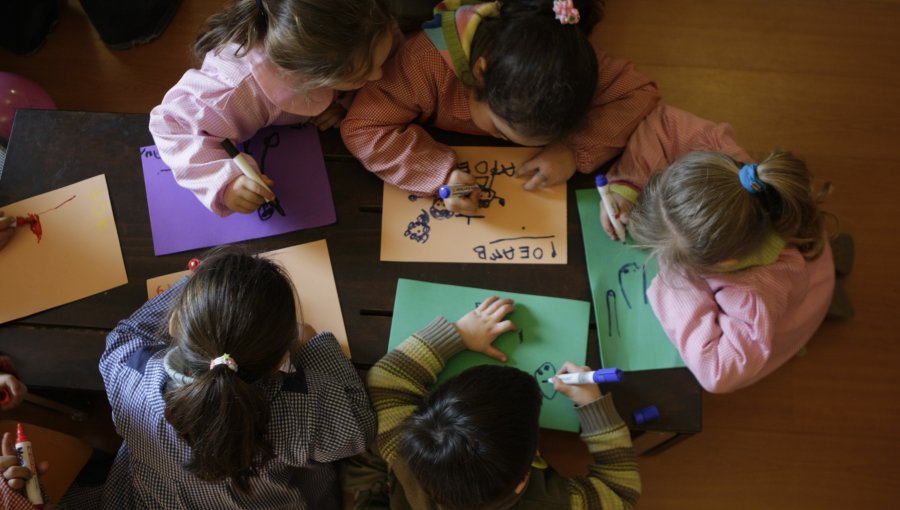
<point x="309" y="38"/>
<point x="697" y="213"/>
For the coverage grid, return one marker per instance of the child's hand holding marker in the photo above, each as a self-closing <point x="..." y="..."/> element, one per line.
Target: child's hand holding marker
<point x="614" y="210"/>
<point x="579" y="394"/>
<point x="462" y="192"/>
<point x="480" y="327"/>
<point x="247" y="192"/>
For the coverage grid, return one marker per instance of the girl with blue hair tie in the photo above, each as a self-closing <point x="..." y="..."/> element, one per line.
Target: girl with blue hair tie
<point x="746" y="273"/>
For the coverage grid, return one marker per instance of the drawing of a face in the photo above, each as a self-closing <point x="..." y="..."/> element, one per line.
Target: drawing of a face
<point x="419" y="230"/>
<point x="541" y="374"/>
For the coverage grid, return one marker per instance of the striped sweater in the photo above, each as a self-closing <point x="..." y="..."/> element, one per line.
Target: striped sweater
<point x="400" y="380"/>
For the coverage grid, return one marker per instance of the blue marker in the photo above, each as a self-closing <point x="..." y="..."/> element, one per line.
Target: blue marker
<point x="646" y="415"/>
<point x="612" y="210"/>
<point x="604" y="375"/>
<point x="453" y="190"/>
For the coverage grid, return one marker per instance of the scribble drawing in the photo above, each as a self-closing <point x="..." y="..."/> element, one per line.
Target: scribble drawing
<point x="34" y="219"/>
<point x="271" y="140"/>
<point x="419" y="230"/>
<point x="505" y="239"/>
<point x="612" y="313"/>
<point x="545" y="371"/>
<point x="484" y="176"/>
<point x="626" y="269"/>
<point x="521" y="336"/>
<point x="644" y="282"/>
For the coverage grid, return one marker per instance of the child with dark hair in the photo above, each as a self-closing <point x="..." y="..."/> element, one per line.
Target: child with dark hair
<point x="520" y="70"/>
<point x="472" y="443"/>
<point x="746" y="272"/>
<point x="265" y="62"/>
<point x="208" y="419"/>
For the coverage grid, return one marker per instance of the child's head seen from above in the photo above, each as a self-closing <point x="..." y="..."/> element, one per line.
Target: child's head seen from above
<point x="471" y="442"/>
<point x="535" y="75"/>
<point x="707" y="212"/>
<point x="338" y="44"/>
<point x="242" y="306"/>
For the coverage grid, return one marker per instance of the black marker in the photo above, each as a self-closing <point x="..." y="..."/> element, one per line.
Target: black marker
<point x="248" y="171"/>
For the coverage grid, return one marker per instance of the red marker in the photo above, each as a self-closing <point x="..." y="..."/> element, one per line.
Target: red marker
<point x="26" y="456"/>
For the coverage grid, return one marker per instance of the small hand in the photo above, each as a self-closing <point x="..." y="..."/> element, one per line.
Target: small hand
<point x="624" y="208"/>
<point x="480" y="327"/>
<point x="245" y="196"/>
<point x="14" y="388"/>
<point x="462" y="203"/>
<point x="331" y="117"/>
<point x="553" y="165"/>
<point x="579" y="394"/>
<point x="15" y="475"/>
<point x="6" y="229"/>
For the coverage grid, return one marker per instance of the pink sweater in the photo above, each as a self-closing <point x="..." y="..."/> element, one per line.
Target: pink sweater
<point x="228" y="97"/>
<point x="732" y="329"/>
<point x="382" y="128"/>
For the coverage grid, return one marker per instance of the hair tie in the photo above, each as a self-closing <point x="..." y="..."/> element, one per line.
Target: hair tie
<point x="224" y="359"/>
<point x="566" y="12"/>
<point x="749" y="180"/>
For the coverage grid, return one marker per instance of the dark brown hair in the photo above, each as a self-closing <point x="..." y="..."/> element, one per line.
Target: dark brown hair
<point x="243" y="306"/>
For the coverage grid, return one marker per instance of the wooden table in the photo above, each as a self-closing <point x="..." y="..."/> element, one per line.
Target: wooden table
<point x="61" y="347"/>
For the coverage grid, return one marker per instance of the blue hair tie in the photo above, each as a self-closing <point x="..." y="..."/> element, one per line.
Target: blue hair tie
<point x="749" y="180"/>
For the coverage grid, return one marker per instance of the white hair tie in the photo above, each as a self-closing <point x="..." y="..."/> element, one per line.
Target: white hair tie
<point x="226" y="360"/>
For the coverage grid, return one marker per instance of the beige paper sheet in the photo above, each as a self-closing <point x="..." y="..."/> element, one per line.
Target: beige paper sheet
<point x="309" y="267"/>
<point x="78" y="255"/>
<point x="513" y="226"/>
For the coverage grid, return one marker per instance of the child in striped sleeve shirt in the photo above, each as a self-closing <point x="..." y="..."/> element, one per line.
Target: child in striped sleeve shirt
<point x="472" y="442"/>
<point x="207" y="418"/>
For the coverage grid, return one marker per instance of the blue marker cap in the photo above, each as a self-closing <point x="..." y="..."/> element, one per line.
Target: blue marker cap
<point x="607" y="375"/>
<point x="445" y="191"/>
<point x="601" y="180"/>
<point x="646" y="415"/>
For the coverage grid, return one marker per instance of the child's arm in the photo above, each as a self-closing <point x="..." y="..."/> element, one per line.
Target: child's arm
<point x="134" y="340"/>
<point x="724" y="332"/>
<point x="400" y="380"/>
<point x="345" y="421"/>
<point x="382" y="128"/>
<point x="613" y="480"/>
<point x="194" y="117"/>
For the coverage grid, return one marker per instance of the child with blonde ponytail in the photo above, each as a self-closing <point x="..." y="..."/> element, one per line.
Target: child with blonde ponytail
<point x="746" y="273"/>
<point x="207" y="418"/>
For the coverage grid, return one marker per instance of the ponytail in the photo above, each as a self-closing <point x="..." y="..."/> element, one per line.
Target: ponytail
<point x="698" y="213"/>
<point x="793" y="206"/>
<point x="241" y="305"/>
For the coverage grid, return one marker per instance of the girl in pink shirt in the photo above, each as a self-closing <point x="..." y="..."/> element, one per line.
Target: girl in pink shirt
<point x="520" y="70"/>
<point x="746" y="273"/>
<point x="265" y="62"/>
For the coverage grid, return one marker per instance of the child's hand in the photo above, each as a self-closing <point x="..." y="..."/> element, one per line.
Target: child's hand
<point x="13" y="387"/>
<point x="553" y="165"/>
<point x="462" y="203"/>
<point x="331" y="117"/>
<point x="579" y="394"/>
<point x="6" y="229"/>
<point x="624" y="208"/>
<point x="480" y="327"/>
<point x="14" y="474"/>
<point x="245" y="196"/>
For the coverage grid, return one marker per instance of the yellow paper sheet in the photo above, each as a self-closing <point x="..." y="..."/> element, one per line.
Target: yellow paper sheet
<point x="309" y="267"/>
<point x="513" y="226"/>
<point x="78" y="254"/>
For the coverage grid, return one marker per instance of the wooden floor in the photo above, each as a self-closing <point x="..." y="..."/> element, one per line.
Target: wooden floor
<point x="820" y="77"/>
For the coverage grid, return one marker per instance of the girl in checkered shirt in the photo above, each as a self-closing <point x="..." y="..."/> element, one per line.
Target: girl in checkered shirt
<point x="265" y="62"/>
<point x="208" y="419"/>
<point x="520" y="70"/>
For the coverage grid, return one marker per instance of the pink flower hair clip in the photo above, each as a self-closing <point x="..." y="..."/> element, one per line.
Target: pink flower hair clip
<point x="566" y="12"/>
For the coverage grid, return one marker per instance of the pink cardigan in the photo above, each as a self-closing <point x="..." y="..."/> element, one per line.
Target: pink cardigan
<point x="731" y="329"/>
<point x="228" y="97"/>
<point x="383" y="127"/>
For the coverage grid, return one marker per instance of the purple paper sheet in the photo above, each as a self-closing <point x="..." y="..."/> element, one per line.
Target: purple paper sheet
<point x="290" y="155"/>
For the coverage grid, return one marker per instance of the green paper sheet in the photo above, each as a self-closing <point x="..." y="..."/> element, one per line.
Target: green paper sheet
<point x="629" y="333"/>
<point x="551" y="332"/>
